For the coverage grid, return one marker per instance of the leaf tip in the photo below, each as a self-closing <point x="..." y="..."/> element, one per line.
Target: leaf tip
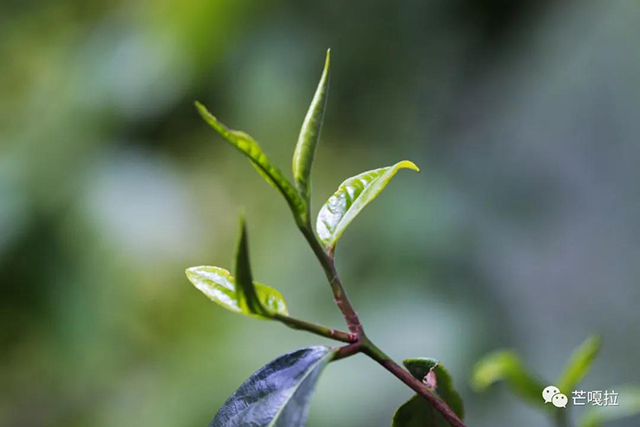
<point x="192" y="274"/>
<point x="200" y="107"/>
<point x="408" y="164"/>
<point x="202" y="110"/>
<point x="242" y="220"/>
<point x="597" y="339"/>
<point x="327" y="61"/>
<point x="594" y="342"/>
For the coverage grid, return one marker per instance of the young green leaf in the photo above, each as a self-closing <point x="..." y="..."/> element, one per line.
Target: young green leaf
<point x="417" y="412"/>
<point x="247" y="294"/>
<point x="279" y="394"/>
<point x="352" y="196"/>
<point x="628" y="406"/>
<point x="250" y="148"/>
<point x="505" y="365"/>
<point x="310" y="134"/>
<point x="220" y="287"/>
<point x="579" y="364"/>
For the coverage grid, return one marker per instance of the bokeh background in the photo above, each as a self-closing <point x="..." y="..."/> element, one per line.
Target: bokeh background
<point x="521" y="231"/>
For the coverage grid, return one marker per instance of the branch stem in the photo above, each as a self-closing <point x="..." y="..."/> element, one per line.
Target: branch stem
<point x="339" y="294"/>
<point x="323" y="331"/>
<point x="347" y="351"/>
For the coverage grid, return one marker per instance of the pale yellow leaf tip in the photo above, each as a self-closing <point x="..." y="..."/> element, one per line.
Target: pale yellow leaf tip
<point x="327" y="61"/>
<point x="408" y="164"/>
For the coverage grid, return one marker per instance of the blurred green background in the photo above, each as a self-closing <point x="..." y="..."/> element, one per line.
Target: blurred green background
<point x="520" y="231"/>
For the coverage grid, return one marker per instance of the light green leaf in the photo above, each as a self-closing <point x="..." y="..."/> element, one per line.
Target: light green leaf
<point x="579" y="364"/>
<point x="417" y="412"/>
<point x="352" y="196"/>
<point x="250" y="148"/>
<point x="220" y="287"/>
<point x="279" y="394"/>
<point x="628" y="406"/>
<point x="310" y="134"/>
<point x="505" y="365"/>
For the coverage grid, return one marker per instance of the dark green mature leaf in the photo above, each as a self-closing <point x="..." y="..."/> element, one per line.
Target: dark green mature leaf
<point x="220" y="287"/>
<point x="417" y="412"/>
<point x="250" y="148"/>
<point x="579" y="364"/>
<point x="310" y="134"/>
<point x="629" y="406"/>
<point x="505" y="365"/>
<point x="279" y="394"/>
<point x="352" y="196"/>
<point x="420" y="368"/>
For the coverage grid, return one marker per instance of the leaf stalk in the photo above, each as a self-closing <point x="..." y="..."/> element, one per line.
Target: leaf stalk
<point x="323" y="331"/>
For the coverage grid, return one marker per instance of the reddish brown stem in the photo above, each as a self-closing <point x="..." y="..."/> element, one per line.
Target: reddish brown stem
<point x="347" y="351"/>
<point x="437" y="403"/>
<point x="339" y="294"/>
<point x="362" y="343"/>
